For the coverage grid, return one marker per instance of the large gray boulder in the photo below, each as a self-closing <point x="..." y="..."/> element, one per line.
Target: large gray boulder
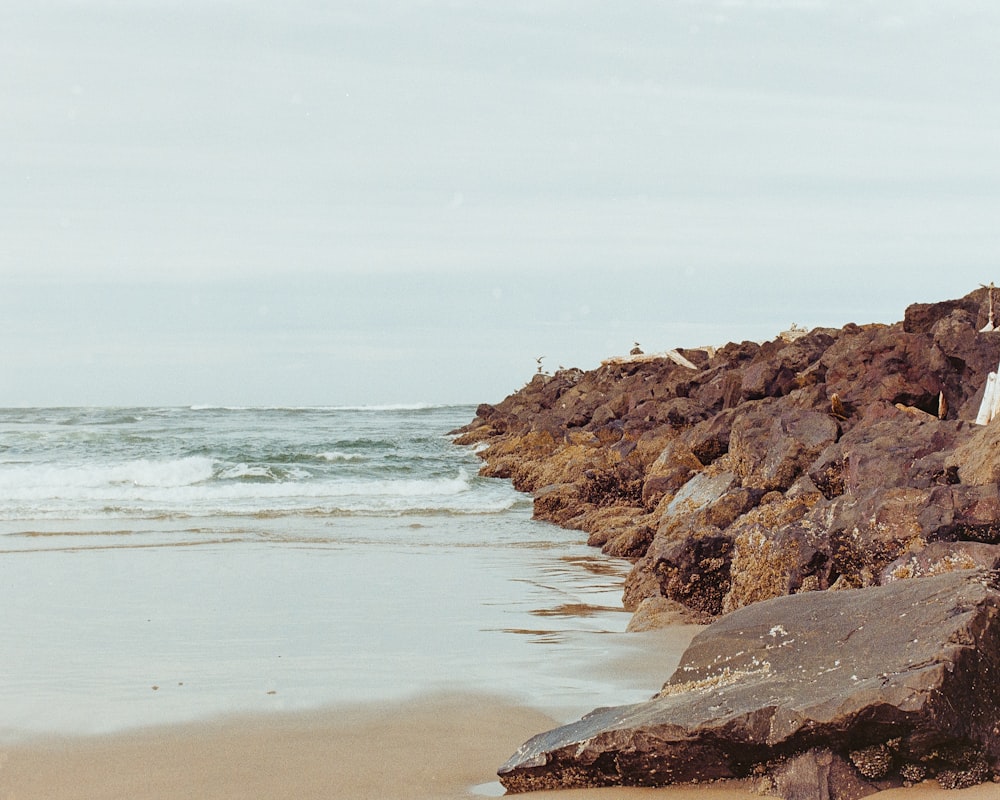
<point x="901" y="681"/>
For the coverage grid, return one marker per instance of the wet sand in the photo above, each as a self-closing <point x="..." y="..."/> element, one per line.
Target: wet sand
<point x="439" y="747"/>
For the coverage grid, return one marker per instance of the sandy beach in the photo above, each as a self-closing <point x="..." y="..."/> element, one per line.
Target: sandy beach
<point x="439" y="747"/>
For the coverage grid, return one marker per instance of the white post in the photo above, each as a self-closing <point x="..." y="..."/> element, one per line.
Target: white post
<point x="988" y="406"/>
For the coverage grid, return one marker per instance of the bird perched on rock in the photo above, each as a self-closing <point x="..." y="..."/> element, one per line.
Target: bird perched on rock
<point x="837" y="406"/>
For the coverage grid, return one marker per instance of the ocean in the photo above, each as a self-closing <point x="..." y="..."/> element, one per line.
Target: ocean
<point x="166" y="565"/>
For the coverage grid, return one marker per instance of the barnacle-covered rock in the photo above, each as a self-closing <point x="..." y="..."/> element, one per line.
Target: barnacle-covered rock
<point x="881" y="677"/>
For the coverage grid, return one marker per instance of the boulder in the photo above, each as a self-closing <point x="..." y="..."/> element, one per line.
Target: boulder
<point x="688" y="558"/>
<point x="669" y="472"/>
<point x="660" y="612"/>
<point x="704" y="489"/>
<point x="771" y="562"/>
<point x="781" y="366"/>
<point x="885" y="364"/>
<point x="557" y="503"/>
<point x="815" y="773"/>
<point x="709" y="439"/>
<point x="770" y="447"/>
<point x="898" y="680"/>
<point x="977" y="460"/>
<point x="940" y="557"/>
<point x="692" y="567"/>
<point x="922" y="317"/>
<point x="976" y="512"/>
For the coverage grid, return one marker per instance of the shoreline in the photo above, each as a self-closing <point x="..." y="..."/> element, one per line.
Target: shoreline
<point x="435" y="747"/>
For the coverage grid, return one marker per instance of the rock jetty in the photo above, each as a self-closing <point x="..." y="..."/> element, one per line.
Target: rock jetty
<point x="744" y="481"/>
<point x="834" y="458"/>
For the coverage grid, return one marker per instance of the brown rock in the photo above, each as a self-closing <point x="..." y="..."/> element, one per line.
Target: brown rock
<point x="709" y="440"/>
<point x="688" y="559"/>
<point x="671" y="470"/>
<point x="691" y="567"/>
<point x="698" y="493"/>
<point x="884" y="364"/>
<point x="910" y="667"/>
<point x="640" y="585"/>
<point x="922" y="317"/>
<point x="938" y="558"/>
<point x="781" y="366"/>
<point x="976" y="512"/>
<point x="771" y="562"/>
<point x="630" y="543"/>
<point x="770" y="447"/>
<point x="817" y="774"/>
<point x="659" y="612"/>
<point x="977" y="459"/>
<point x="557" y="503"/>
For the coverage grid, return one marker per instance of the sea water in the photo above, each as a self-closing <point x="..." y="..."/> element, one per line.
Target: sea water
<point x="160" y="565"/>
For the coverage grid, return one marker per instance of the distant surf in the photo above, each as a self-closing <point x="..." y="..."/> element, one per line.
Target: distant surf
<point x="207" y="461"/>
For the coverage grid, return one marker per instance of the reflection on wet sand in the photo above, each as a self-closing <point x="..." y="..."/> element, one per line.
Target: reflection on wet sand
<point x="574" y="610"/>
<point x="598" y="564"/>
<point x="539" y="636"/>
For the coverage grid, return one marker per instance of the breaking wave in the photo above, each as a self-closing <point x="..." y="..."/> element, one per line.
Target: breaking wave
<point x="183" y="462"/>
<point x="195" y="487"/>
<point x="60" y="480"/>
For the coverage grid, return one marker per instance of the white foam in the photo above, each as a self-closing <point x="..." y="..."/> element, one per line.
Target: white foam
<point x="15" y="479"/>
<point x="390" y="407"/>
<point x="238" y="471"/>
<point x="336" y="455"/>
<point x="187" y="487"/>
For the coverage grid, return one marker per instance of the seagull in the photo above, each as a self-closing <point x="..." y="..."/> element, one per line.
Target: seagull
<point x="837" y="406"/>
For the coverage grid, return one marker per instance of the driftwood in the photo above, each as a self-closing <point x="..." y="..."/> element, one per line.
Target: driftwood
<point x="990" y="324"/>
<point x="640" y="357"/>
<point x="677" y="358"/>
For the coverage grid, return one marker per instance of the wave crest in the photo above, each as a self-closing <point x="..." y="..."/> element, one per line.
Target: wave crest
<point x="141" y="473"/>
<point x="193" y="487"/>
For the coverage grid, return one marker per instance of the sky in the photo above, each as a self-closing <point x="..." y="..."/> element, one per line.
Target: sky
<point x="330" y="202"/>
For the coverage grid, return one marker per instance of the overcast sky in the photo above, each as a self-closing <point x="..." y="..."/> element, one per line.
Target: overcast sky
<point x="322" y="202"/>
